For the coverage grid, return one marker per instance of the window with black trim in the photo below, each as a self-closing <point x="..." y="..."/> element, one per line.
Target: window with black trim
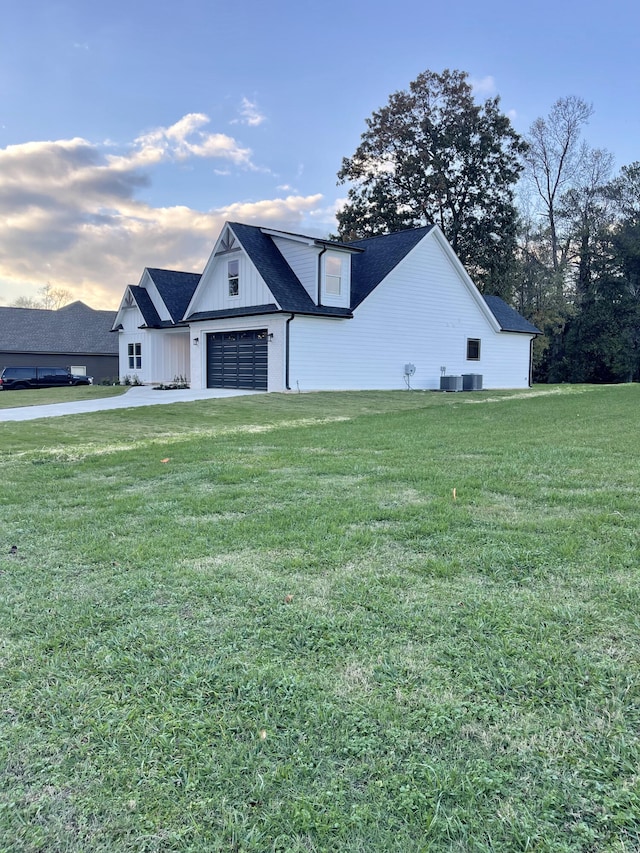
<point x="134" y="351"/>
<point x="233" y="275"/>
<point x="473" y="349"/>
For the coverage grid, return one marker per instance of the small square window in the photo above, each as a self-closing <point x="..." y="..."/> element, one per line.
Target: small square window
<point x="473" y="349"/>
<point x="233" y="275"/>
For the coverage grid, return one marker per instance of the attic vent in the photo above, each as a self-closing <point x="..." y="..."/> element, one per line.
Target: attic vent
<point x="228" y="241"/>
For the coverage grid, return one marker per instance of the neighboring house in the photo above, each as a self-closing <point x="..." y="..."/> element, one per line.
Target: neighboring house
<point x="275" y="311"/>
<point x="74" y="336"/>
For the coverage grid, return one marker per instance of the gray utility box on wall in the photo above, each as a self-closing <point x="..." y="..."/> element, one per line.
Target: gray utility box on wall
<point x="451" y="383"/>
<point x="472" y="382"/>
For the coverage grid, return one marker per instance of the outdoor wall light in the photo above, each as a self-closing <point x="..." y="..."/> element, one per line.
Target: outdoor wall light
<point x="196" y="341"/>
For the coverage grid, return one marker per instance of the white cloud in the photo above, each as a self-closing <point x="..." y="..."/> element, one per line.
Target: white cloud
<point x="249" y="114"/>
<point x="486" y="86"/>
<point x="70" y="215"/>
<point x="182" y="140"/>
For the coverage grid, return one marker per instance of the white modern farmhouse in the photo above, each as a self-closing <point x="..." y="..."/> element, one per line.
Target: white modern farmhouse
<point x="274" y="311"/>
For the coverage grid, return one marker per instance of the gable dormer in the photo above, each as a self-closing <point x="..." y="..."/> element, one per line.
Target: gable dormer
<point x="335" y="278"/>
<point x="323" y="267"/>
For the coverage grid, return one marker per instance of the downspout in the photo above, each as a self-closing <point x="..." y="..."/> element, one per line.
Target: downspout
<point x="322" y="251"/>
<point x="286" y="354"/>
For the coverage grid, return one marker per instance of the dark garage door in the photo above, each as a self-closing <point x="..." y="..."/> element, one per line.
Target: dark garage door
<point x="237" y="360"/>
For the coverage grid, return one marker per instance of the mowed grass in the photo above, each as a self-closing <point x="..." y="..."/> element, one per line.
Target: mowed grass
<point x="270" y="624"/>
<point x="68" y="394"/>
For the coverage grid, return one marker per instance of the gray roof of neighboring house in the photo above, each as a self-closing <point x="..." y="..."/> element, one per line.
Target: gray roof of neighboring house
<point x="508" y="317"/>
<point x="74" y="328"/>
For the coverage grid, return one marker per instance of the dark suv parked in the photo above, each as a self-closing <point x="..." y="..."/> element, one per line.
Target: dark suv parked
<point x="40" y="377"/>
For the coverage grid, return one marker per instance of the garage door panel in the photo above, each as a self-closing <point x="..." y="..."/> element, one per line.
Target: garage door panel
<point x="238" y="360"/>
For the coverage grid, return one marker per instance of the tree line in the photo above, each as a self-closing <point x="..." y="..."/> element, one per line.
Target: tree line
<point x="540" y="220"/>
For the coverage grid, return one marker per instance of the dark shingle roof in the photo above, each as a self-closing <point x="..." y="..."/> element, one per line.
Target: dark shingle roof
<point x="175" y="288"/>
<point x="271" y="308"/>
<point x="74" y="328"/>
<point x="245" y="311"/>
<point x="146" y="306"/>
<point x="276" y="272"/>
<point x="381" y="254"/>
<point x="373" y="260"/>
<point x="508" y="317"/>
<point x="278" y="275"/>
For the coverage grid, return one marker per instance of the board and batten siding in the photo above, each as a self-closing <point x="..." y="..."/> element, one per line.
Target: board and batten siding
<point x="422" y="313"/>
<point x="130" y="333"/>
<point x="213" y="290"/>
<point x="168" y="356"/>
<point x="165" y="355"/>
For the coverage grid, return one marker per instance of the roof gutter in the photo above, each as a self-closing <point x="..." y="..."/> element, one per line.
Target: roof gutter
<point x="286" y="354"/>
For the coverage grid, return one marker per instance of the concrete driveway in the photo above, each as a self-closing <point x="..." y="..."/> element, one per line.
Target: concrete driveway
<point x="137" y="395"/>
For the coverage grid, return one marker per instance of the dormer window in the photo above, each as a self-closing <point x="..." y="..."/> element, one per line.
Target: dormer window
<point x="333" y="275"/>
<point x="233" y="275"/>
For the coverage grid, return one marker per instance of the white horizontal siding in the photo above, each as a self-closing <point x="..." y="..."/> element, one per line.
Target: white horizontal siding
<point x="303" y="260"/>
<point x="422" y="314"/>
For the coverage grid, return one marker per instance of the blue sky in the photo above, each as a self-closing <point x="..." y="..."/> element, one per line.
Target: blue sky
<point x="130" y="131"/>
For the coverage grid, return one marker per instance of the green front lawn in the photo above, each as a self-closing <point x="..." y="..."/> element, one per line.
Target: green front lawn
<point x="324" y="622"/>
<point x="44" y="396"/>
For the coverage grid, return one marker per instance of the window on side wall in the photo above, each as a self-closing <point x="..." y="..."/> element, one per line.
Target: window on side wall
<point x="473" y="349"/>
<point x="233" y="275"/>
<point x="135" y="356"/>
<point x="333" y="275"/>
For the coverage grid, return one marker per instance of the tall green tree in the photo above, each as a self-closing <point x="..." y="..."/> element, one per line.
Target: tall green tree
<point x="433" y="154"/>
<point x="568" y="217"/>
<point x="586" y="211"/>
<point x="601" y="341"/>
<point x="624" y="193"/>
<point x="553" y="157"/>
